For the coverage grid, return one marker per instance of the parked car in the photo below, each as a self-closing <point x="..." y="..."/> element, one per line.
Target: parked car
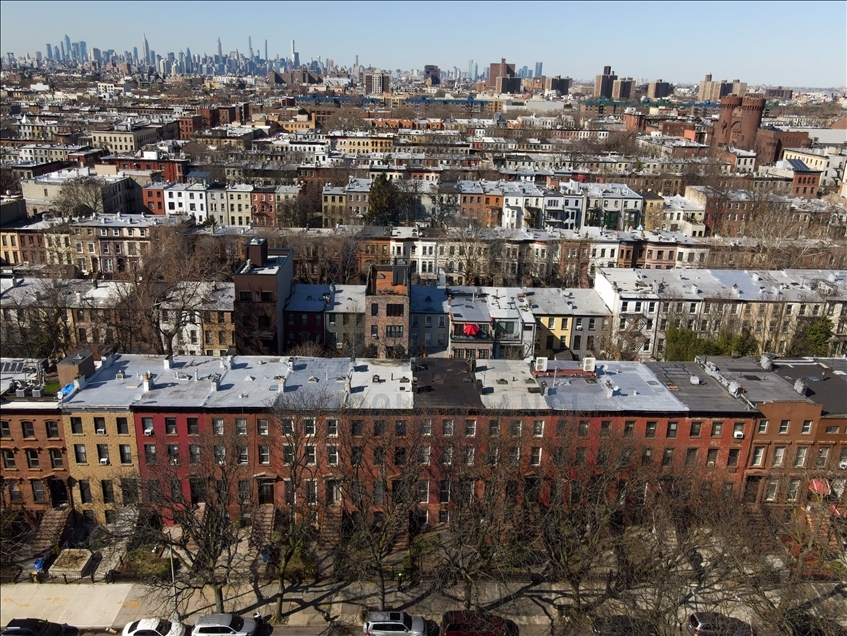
<point x="619" y="625"/>
<point x="154" y="627"/>
<point x="226" y="624"/>
<point x="714" y="624"/>
<point x="392" y="623"/>
<point x="33" y="627"/>
<point x="798" y="623"/>
<point x="473" y="623"/>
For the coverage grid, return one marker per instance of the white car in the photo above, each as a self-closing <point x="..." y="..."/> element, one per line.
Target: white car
<point x="224" y="625"/>
<point x="394" y="624"/>
<point x="154" y="627"/>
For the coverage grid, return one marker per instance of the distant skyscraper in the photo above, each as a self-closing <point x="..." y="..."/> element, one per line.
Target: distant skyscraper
<point x="295" y="56"/>
<point x="145" y="50"/>
<point x="56" y="54"/>
<point x="219" y="50"/>
<point x="83" y="51"/>
<point x="250" y="45"/>
<point x="135" y="54"/>
<point x="49" y="52"/>
<point x="266" y="50"/>
<point x="67" y="47"/>
<point x="62" y="45"/>
<point x="537" y="69"/>
<point x="471" y="74"/>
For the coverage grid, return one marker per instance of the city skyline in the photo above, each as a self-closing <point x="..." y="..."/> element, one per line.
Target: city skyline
<point x="565" y="46"/>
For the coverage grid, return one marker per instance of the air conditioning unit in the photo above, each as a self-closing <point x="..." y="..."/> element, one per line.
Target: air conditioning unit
<point x="738" y="434"/>
<point x="375" y="336"/>
<point x="174" y="461"/>
<point x="339" y="345"/>
<point x="843" y="465"/>
<point x="104" y="461"/>
<point x="710" y="463"/>
<point x="148" y="433"/>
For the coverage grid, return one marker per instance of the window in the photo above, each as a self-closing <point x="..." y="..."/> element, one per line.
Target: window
<point x="85" y="491"/>
<point x="5" y="431"/>
<point x="79" y="454"/>
<point x="311" y="454"/>
<point x="394" y="310"/>
<point x="691" y="457"/>
<point x="193" y="426"/>
<point x="758" y="456"/>
<point x="218" y="426"/>
<point x="444" y="491"/>
<point x="672" y="428"/>
<point x="56" y="460"/>
<point x="311" y="491"/>
<point x="447" y="428"/>
<point x="762" y="427"/>
<point x="422" y="491"/>
<point x="125" y="453"/>
<point x="712" y="457"/>
<point x="446" y="456"/>
<point x="399" y="455"/>
<point x="793" y="490"/>
<point x="76" y="425"/>
<point x="732" y="458"/>
<point x="379" y="428"/>
<point x="194" y="453"/>
<point x="535" y="456"/>
<point x="37" y="491"/>
<point x="667" y="457"/>
<point x="650" y="431"/>
<point x="738" y="429"/>
<point x="646" y="456"/>
<point x="771" y="489"/>
<point x="494" y="428"/>
<point x="241" y="426"/>
<point x="717" y="429"/>
<point x="695" y="429"/>
<point x="122" y="426"/>
<point x="309" y="426"/>
<point x="629" y="428"/>
<point x="170" y="426"/>
<point x="8" y="458"/>
<point x="357" y="428"/>
<point x="288" y="426"/>
<point x="538" y="428"/>
<point x="52" y="430"/>
<point x="394" y="331"/>
<point x="331" y="428"/>
<point x="470" y="428"/>
<point x="783" y="427"/>
<point x="108" y="491"/>
<point x="807" y="427"/>
<point x="374" y="309"/>
<point x="823" y="455"/>
<point x="400" y="428"/>
<point x="150" y="453"/>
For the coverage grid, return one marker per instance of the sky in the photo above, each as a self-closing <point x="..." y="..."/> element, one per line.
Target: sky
<point x="792" y="44"/>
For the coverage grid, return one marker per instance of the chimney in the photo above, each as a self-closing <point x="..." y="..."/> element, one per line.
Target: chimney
<point x="148" y="382"/>
<point x="215" y="383"/>
<point x="257" y="251"/>
<point x="169" y="362"/>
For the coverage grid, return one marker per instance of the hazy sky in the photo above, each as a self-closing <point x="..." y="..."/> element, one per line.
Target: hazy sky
<point x="780" y="43"/>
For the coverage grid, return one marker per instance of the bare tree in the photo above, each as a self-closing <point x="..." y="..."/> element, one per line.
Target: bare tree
<point x="209" y="538"/>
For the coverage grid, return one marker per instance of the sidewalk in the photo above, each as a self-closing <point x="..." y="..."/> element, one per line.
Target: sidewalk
<point x="310" y="610"/>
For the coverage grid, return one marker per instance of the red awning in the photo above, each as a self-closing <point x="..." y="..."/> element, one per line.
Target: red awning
<point x="471" y="330"/>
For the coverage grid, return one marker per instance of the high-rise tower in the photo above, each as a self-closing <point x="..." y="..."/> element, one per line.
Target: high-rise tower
<point x="145" y="50"/>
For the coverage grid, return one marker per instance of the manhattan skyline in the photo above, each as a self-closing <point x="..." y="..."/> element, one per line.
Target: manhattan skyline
<point x="679" y="43"/>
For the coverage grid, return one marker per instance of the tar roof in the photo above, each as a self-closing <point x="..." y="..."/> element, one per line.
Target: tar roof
<point x="444" y="383"/>
<point x="696" y="390"/>
<point x="757" y="385"/>
<point x="826" y="381"/>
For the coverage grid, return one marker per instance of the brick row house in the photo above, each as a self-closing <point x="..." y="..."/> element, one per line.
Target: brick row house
<point x="137" y="428"/>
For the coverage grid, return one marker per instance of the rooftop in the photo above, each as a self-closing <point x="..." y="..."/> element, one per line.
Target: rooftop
<point x="444" y="383"/>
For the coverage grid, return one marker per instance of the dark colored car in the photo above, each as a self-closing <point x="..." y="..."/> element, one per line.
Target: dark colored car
<point x="802" y="624"/>
<point x="473" y="623"/>
<point x="32" y="627"/>
<point x="620" y="625"/>
<point x="714" y="624"/>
